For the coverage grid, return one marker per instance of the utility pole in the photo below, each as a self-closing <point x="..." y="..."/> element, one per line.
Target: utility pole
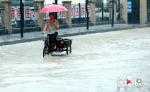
<point x="112" y="24"/>
<point x="79" y="13"/>
<point x="87" y="22"/>
<point x="21" y="17"/>
<point x="119" y="9"/>
<point x="102" y="11"/>
<point x="56" y="2"/>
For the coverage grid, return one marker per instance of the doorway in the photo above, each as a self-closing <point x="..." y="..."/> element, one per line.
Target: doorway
<point x="133" y="11"/>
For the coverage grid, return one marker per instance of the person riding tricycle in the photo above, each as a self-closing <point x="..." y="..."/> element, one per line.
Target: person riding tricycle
<point x="52" y="43"/>
<point x="51" y="26"/>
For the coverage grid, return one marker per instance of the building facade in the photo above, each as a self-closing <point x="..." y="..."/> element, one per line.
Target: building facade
<point x="148" y="11"/>
<point x="98" y="3"/>
<point x="26" y="2"/>
<point x="135" y="11"/>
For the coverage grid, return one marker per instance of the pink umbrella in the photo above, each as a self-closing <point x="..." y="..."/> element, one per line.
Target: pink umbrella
<point x="53" y="8"/>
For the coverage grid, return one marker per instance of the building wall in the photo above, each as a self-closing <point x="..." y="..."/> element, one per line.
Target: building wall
<point x="98" y="3"/>
<point x="143" y="11"/>
<point x="26" y="2"/>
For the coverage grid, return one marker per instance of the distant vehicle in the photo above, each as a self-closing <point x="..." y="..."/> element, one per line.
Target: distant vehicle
<point x="14" y="23"/>
<point x="106" y="14"/>
<point x="29" y="23"/>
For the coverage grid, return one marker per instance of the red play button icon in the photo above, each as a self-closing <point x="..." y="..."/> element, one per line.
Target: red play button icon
<point x="128" y="81"/>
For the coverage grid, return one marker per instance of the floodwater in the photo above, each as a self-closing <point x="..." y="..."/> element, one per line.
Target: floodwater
<point x="95" y="64"/>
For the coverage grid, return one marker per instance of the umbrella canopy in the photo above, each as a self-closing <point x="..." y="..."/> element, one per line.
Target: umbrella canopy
<point x="53" y="8"/>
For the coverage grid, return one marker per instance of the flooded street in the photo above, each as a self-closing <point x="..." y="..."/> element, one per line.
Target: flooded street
<point x="95" y="64"/>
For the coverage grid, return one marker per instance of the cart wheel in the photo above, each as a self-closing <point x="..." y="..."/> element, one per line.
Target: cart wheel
<point x="70" y="47"/>
<point x="67" y="50"/>
<point x="45" y="50"/>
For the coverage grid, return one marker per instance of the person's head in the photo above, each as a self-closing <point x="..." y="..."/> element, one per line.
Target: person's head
<point x="51" y="15"/>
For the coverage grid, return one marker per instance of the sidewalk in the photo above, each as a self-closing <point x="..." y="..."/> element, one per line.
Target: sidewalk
<point x="33" y="36"/>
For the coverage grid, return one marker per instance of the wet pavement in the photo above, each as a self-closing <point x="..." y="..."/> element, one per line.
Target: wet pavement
<point x="97" y="61"/>
<point x="33" y="36"/>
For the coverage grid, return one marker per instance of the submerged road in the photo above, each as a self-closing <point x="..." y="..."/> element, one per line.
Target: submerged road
<point x="97" y="61"/>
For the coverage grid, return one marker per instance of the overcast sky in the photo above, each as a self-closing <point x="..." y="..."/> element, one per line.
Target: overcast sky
<point x="60" y="1"/>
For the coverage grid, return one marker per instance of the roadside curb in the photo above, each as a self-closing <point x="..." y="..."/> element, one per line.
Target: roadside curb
<point x="73" y="34"/>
